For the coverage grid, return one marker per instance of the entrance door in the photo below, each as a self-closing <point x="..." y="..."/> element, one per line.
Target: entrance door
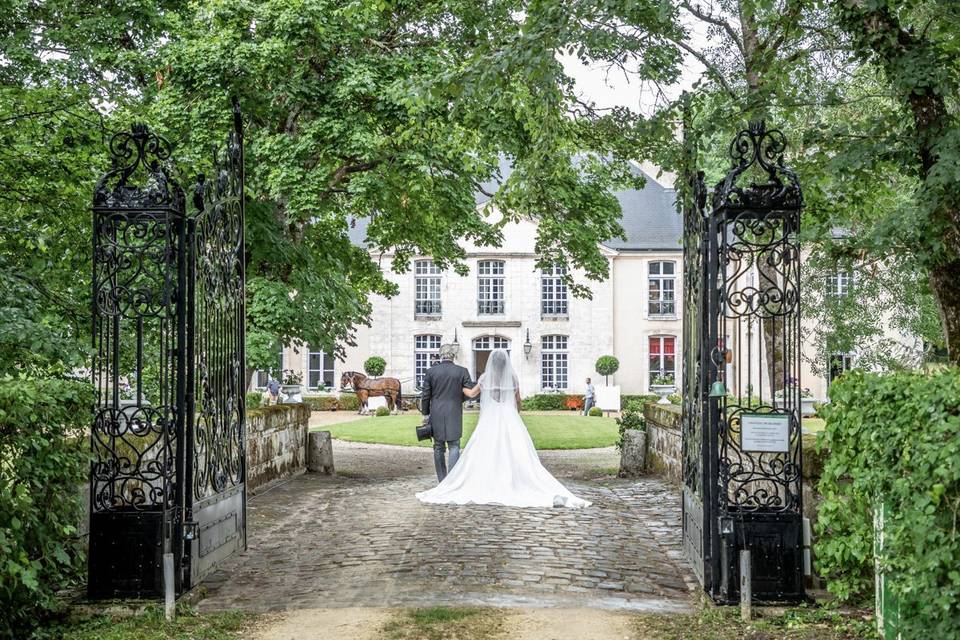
<point x="482" y="347"/>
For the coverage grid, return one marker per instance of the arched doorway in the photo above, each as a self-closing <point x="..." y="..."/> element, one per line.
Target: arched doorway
<point x="482" y="347"/>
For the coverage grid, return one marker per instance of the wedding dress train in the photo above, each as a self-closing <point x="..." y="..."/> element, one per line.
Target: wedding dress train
<point x="500" y="465"/>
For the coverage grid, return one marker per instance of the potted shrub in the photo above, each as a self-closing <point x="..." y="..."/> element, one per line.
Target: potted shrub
<point x="374" y="366"/>
<point x="663" y="386"/>
<point x="291" y="385"/>
<point x="607" y="366"/>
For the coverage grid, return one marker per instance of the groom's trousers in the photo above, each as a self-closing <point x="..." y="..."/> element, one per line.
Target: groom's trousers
<point x="439" y="447"/>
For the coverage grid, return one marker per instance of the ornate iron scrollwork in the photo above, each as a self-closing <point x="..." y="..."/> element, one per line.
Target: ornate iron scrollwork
<point x="218" y="443"/>
<point x="758" y="153"/>
<point x="168" y="311"/>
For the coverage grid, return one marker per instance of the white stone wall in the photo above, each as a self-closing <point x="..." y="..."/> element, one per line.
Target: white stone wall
<point x="589" y="325"/>
<point x="614" y="322"/>
<point x="632" y="323"/>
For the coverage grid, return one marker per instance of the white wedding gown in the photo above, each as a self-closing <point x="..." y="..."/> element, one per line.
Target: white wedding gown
<point x="500" y="465"/>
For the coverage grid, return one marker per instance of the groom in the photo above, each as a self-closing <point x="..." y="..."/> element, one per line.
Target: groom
<point x="442" y="400"/>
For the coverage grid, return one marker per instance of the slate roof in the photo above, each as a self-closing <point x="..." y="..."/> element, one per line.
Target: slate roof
<point x="650" y="219"/>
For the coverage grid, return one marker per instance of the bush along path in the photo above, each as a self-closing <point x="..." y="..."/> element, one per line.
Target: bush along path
<point x="894" y="440"/>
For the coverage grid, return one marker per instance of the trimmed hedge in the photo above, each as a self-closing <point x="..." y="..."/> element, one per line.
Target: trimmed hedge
<point x="546" y="402"/>
<point x="563" y="402"/>
<point x="895" y="438"/>
<point x="346" y="402"/>
<point x="44" y="458"/>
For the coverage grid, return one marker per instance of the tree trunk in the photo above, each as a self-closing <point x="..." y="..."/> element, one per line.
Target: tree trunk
<point x="945" y="282"/>
<point x="248" y="376"/>
<point x="757" y="103"/>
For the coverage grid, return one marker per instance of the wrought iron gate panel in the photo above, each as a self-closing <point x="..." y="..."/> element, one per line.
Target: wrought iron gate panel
<point x="138" y="244"/>
<point x="167" y="434"/>
<point x="695" y="543"/>
<point x="216" y="378"/>
<point x="742" y="274"/>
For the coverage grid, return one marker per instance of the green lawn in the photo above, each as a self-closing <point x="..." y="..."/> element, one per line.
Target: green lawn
<point x="547" y="431"/>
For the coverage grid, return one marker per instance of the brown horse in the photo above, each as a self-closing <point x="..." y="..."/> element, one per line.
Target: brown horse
<point x="366" y="387"/>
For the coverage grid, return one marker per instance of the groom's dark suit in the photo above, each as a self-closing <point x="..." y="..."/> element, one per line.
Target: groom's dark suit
<point x="442" y="399"/>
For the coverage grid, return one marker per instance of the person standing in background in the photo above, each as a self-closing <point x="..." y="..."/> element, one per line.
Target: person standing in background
<point x="273" y="388"/>
<point x="588" y="398"/>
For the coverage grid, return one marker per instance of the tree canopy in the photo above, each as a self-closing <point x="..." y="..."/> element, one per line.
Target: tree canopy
<point x="400" y="113"/>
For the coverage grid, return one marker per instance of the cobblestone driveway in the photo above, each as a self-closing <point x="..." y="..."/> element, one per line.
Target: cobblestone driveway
<point x="363" y="539"/>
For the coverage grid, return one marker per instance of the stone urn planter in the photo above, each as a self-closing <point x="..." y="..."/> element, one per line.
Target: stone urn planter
<point x="293" y="392"/>
<point x="633" y="453"/>
<point x="663" y="390"/>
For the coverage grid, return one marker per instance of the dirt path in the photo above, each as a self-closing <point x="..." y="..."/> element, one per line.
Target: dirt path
<point x="518" y="624"/>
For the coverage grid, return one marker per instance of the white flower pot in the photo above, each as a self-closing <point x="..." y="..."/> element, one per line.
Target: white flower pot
<point x="663" y="390"/>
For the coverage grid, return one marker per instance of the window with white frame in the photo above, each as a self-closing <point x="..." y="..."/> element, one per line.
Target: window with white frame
<point x="320" y="368"/>
<point x="426" y="288"/>
<point x="553" y="362"/>
<point x="663" y="359"/>
<point x="553" y="291"/>
<point x="661" y="288"/>
<point x="839" y="363"/>
<point x="262" y="376"/>
<point x="490" y="291"/>
<point x="489" y="343"/>
<point x="839" y="283"/>
<point x="426" y="352"/>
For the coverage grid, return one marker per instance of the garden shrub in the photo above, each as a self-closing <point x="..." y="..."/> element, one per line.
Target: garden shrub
<point x="642" y="399"/>
<point x="896" y="438"/>
<point x="574" y="403"/>
<point x="630" y="418"/>
<point x="675" y="398"/>
<point x="253" y="400"/>
<point x="346" y="402"/>
<point x="375" y="366"/>
<point x="560" y="402"/>
<point x="382" y="411"/>
<point x="596" y="411"/>
<point x="43" y="463"/>
<point x="545" y="402"/>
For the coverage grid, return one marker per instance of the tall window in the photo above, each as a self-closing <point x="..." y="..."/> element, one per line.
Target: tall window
<point x="840" y="363"/>
<point x="427" y="288"/>
<point x="661" y="280"/>
<point x="839" y="282"/>
<point x="319" y="369"/>
<point x="663" y="358"/>
<point x="553" y="291"/>
<point x="490" y="298"/>
<point x="426" y="351"/>
<point x="262" y="376"/>
<point x="553" y="362"/>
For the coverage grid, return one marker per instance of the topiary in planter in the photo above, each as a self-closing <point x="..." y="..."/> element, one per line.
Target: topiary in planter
<point x="607" y="366"/>
<point x="375" y="366"/>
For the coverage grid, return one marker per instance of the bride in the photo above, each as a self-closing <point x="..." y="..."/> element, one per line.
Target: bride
<point x="500" y="465"/>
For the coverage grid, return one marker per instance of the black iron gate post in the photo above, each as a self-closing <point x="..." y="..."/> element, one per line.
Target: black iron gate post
<point x="742" y="393"/>
<point x="167" y="437"/>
